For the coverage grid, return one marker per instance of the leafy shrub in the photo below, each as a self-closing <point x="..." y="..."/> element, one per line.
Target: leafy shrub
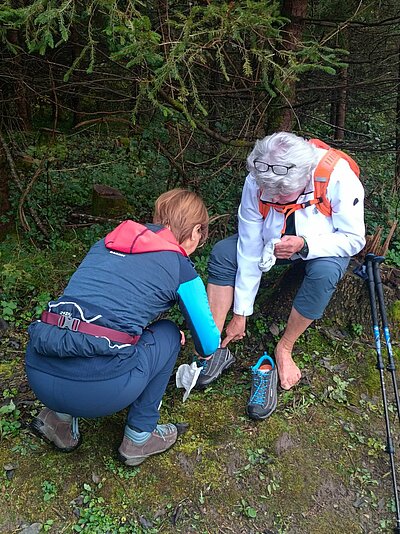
<point x="9" y="420"/>
<point x="30" y="279"/>
<point x="393" y="255"/>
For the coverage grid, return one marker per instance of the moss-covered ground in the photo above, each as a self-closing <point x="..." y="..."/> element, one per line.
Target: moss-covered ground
<point x="316" y="466"/>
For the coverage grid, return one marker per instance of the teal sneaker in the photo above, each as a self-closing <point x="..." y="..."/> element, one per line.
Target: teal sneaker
<point x="264" y="385"/>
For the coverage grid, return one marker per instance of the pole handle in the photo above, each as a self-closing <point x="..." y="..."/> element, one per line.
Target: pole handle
<point x="377" y="260"/>
<point x="371" y="289"/>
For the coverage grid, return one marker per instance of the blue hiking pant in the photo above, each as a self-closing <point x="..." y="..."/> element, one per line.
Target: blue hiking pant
<point x="141" y="389"/>
<point x="321" y="276"/>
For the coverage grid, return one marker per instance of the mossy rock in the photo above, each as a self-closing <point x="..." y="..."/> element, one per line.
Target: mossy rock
<point x="108" y="201"/>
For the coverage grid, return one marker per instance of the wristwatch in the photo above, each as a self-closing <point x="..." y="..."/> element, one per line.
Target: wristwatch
<point x="303" y="252"/>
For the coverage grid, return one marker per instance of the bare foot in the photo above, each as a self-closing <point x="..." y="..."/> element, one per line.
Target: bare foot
<point x="289" y="373"/>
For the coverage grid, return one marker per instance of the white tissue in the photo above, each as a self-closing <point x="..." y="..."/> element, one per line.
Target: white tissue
<point x="268" y="258"/>
<point x="186" y="377"/>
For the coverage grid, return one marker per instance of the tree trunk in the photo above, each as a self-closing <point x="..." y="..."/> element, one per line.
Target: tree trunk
<point x="333" y="110"/>
<point x="340" y="118"/>
<point x="4" y="196"/>
<point x="21" y="102"/>
<point x="397" y="168"/>
<point x="295" y="10"/>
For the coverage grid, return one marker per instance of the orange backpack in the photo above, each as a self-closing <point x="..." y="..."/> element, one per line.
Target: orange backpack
<point x="322" y="176"/>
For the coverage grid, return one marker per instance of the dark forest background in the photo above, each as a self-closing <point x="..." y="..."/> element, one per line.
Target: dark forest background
<point x="145" y="96"/>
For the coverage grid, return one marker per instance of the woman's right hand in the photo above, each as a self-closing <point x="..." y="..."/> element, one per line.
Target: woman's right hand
<point x="236" y="329"/>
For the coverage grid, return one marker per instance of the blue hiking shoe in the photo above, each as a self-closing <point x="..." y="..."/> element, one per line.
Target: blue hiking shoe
<point x="264" y="384"/>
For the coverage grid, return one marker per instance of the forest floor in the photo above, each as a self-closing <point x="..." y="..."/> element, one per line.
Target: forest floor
<point x="316" y="466"/>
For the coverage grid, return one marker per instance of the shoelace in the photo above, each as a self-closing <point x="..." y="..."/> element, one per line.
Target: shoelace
<point x="261" y="381"/>
<point x="203" y="364"/>
<point x="164" y="430"/>
<point x="75" y="428"/>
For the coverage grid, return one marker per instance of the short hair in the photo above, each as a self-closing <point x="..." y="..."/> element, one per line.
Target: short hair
<point x="283" y="148"/>
<point x="181" y="210"/>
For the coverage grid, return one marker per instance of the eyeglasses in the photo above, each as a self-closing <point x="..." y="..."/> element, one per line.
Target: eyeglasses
<point x="203" y="231"/>
<point x="279" y="170"/>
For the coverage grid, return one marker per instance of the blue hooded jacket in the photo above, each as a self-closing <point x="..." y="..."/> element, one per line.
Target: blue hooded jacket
<point x="125" y="282"/>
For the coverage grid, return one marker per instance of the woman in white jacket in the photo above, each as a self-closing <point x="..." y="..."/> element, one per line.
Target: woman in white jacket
<point x="281" y="175"/>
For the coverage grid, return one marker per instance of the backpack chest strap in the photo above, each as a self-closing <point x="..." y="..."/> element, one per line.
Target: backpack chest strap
<point x="288" y="209"/>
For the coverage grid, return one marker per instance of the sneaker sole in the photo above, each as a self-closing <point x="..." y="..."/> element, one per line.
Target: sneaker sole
<point x="206" y="384"/>
<point x="133" y="462"/>
<point x="36" y="428"/>
<point x="258" y="417"/>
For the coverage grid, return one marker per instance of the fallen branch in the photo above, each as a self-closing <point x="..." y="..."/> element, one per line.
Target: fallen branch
<point x="373" y="243"/>
<point x="94" y="218"/>
<point x="20" y="186"/>
<point x="104" y="119"/>
<point x="386" y="244"/>
<point x="217" y="217"/>
<point x="21" y="212"/>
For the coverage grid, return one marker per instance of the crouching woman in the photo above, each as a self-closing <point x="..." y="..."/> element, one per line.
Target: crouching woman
<point x="99" y="348"/>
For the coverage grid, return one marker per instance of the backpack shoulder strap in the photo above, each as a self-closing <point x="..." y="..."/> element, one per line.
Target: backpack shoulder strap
<point x="319" y="144"/>
<point x="353" y="165"/>
<point x="263" y="208"/>
<point x="322" y="176"/>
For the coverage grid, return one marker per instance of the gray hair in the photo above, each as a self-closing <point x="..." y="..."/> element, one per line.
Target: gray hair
<point x="283" y="148"/>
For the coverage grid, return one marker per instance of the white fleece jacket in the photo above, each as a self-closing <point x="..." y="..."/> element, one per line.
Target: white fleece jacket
<point x="341" y="235"/>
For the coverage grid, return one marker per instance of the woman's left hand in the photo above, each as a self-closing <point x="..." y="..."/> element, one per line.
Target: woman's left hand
<point x="287" y="246"/>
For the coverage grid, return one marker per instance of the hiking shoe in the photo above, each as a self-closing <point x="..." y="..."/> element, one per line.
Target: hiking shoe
<point x="63" y="434"/>
<point x="161" y="439"/>
<point x="263" y="398"/>
<point x="219" y="362"/>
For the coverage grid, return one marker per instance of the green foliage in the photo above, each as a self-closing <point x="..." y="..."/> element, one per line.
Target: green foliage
<point x="8" y="310"/>
<point x="200" y="35"/>
<point x="393" y="255"/>
<point x="246" y="509"/>
<point x="356" y="329"/>
<point x="175" y="315"/>
<point x="49" y="490"/>
<point x="78" y="163"/>
<point x="366" y="485"/>
<point x="48" y="525"/>
<point x="261" y="326"/>
<point x="200" y="260"/>
<point x="31" y="278"/>
<point x="120" y="470"/>
<point x="96" y="518"/>
<point x="9" y="420"/>
<point x="339" y="391"/>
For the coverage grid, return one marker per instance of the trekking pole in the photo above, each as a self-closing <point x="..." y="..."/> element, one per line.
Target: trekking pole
<point x="391" y="366"/>
<point x="369" y="259"/>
